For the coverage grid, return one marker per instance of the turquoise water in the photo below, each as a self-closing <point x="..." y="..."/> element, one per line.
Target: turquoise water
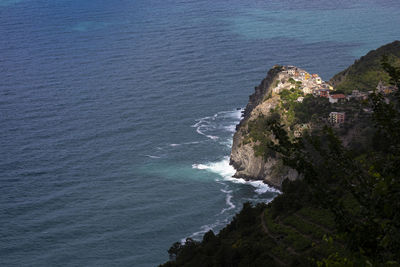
<point x="117" y="117"/>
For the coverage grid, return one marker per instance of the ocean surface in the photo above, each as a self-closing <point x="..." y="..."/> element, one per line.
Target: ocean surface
<point x="116" y="117"/>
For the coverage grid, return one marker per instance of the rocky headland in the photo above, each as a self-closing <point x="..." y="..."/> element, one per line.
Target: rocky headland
<point x="243" y="158"/>
<point x="265" y="101"/>
<point x="306" y="103"/>
<point x="343" y="211"/>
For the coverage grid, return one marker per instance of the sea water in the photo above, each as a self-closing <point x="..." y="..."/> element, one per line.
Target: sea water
<point x="116" y="117"/>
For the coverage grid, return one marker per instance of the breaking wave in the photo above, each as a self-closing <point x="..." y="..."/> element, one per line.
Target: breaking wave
<point x="226" y="171"/>
<point x="221" y="127"/>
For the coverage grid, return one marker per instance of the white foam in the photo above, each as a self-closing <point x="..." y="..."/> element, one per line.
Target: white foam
<point x="238" y="114"/>
<point x="227" y="143"/>
<point x="153" y="157"/>
<point x="226" y="171"/>
<point x="173" y="145"/>
<point x="199" y="131"/>
<point x="230" y="128"/>
<point x="262" y="187"/>
<point x="218" y="121"/>
<point x="204" y="229"/>
<point x="228" y="200"/>
<point x="191" y="143"/>
<point x="200" y="166"/>
<point x="213" y="137"/>
<point x="220" y="167"/>
<point x="223" y="122"/>
<point x="186" y="143"/>
<point x="226" y="191"/>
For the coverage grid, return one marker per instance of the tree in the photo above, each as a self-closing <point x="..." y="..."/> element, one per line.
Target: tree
<point x="364" y="194"/>
<point x="174" y="250"/>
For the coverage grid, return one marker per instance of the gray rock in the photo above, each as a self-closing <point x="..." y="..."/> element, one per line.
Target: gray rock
<point x="249" y="166"/>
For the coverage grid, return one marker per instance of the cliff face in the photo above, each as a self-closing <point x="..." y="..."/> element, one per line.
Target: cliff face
<point x="243" y="158"/>
<point x="286" y="94"/>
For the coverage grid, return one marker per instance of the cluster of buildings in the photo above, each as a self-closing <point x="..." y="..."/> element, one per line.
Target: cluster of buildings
<point x="292" y="77"/>
<point x="386" y="89"/>
<point x="309" y="83"/>
<point x="357" y="95"/>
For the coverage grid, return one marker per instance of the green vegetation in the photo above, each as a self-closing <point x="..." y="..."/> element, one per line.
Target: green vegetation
<point x="311" y="114"/>
<point x="258" y="131"/>
<point x="298" y="84"/>
<point x="312" y="109"/>
<point x="291" y="95"/>
<point x="362" y="193"/>
<point x="345" y="211"/>
<point x="365" y="73"/>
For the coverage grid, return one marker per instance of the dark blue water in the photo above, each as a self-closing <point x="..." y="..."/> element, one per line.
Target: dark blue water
<point x="116" y="117"/>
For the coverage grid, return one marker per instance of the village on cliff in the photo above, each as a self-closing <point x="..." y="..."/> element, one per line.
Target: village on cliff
<point x="292" y="77"/>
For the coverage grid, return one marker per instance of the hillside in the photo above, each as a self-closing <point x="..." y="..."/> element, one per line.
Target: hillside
<point x="343" y="209"/>
<point x="295" y="97"/>
<point x="258" y="237"/>
<point x="366" y="72"/>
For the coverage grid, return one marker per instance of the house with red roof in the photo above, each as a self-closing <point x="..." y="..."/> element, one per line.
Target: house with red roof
<point x="336" y="98"/>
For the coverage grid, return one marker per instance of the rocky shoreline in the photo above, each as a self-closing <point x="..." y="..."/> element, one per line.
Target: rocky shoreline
<point x="304" y="103"/>
<point x="247" y="165"/>
<point x="262" y="103"/>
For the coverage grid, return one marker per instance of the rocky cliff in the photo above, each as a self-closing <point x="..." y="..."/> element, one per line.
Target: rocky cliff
<point x="303" y="103"/>
<point x="243" y="158"/>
